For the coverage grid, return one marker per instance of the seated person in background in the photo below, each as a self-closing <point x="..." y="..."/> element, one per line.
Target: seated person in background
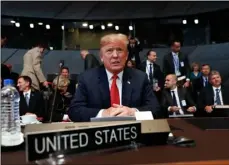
<point x="130" y="64"/>
<point x="112" y="90"/>
<point x="72" y="86"/>
<point x="90" y="61"/>
<point x="31" y="101"/>
<point x="176" y="100"/>
<point x="62" y="101"/>
<point x="195" y="71"/>
<point x="214" y="94"/>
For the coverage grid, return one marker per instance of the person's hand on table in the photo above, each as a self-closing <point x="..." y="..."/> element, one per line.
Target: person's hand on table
<point x="191" y="109"/>
<point x="118" y="110"/>
<point x="174" y="108"/>
<point x="31" y="114"/>
<point x="208" y="109"/>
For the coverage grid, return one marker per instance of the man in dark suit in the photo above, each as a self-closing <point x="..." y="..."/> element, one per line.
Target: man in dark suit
<point x="154" y="72"/>
<point x="177" y="63"/>
<point x="214" y="94"/>
<point x="112" y="90"/>
<point x="176" y="100"/>
<point x="90" y="61"/>
<point x="134" y="48"/>
<point x="31" y="101"/>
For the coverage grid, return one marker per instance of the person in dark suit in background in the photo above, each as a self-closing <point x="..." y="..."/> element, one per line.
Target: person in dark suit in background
<point x="177" y="63"/>
<point x="13" y="75"/>
<point x="31" y="101"/>
<point x="112" y="89"/>
<point x="176" y="100"/>
<point x="154" y="72"/>
<point x="72" y="85"/>
<point x="214" y="94"/>
<point x="90" y="61"/>
<point x="134" y="48"/>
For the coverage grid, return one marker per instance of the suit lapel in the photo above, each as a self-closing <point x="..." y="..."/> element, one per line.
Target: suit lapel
<point x="169" y="97"/>
<point x="32" y="100"/>
<point x="127" y="87"/>
<point x="104" y="87"/>
<point x="170" y="60"/>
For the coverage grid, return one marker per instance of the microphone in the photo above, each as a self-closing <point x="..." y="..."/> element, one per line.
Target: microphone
<point x="61" y="64"/>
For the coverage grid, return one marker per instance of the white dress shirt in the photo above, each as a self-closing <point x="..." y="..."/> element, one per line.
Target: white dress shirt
<point x="28" y="92"/>
<point x="220" y="95"/>
<point x="177" y="100"/>
<point x="119" y="85"/>
<point x="148" y="68"/>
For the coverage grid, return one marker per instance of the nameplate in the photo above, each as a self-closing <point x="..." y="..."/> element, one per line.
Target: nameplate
<point x="78" y="138"/>
<point x="221" y="106"/>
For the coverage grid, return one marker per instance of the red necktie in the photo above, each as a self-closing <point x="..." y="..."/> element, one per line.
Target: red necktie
<point x="114" y="93"/>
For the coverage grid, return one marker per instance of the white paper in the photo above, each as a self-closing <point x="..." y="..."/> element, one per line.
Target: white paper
<point x="146" y="115"/>
<point x="181" y="78"/>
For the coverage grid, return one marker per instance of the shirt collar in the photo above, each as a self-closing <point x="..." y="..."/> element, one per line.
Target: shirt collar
<point x="109" y="75"/>
<point x="175" y="90"/>
<point x="29" y="91"/>
<point x="214" y="88"/>
<point x="148" y="62"/>
<point x="175" y="54"/>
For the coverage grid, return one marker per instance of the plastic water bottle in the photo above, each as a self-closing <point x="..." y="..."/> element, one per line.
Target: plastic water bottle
<point x="10" y="118"/>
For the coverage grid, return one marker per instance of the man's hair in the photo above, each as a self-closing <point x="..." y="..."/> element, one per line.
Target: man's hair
<point x="205" y="65"/>
<point x="212" y="73"/>
<point x="173" y="41"/>
<point x="64" y="67"/>
<point x="148" y="53"/>
<point x="114" y="37"/>
<point x="26" y="79"/>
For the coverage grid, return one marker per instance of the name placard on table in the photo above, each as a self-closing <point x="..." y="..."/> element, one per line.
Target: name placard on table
<point x="82" y="139"/>
<point x="67" y="138"/>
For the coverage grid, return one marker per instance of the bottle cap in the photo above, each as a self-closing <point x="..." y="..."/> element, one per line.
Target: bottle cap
<point x="8" y="82"/>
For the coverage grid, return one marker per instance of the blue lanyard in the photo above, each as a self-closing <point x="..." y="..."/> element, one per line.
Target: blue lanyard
<point x="176" y="62"/>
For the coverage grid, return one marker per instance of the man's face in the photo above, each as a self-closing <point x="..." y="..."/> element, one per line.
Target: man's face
<point x="114" y="56"/>
<point x="132" y="41"/>
<point x="22" y="84"/>
<point x="152" y="56"/>
<point x="170" y="81"/>
<point x="216" y="80"/>
<point x="129" y="64"/>
<point x="65" y="73"/>
<point x="176" y="47"/>
<point x="205" y="70"/>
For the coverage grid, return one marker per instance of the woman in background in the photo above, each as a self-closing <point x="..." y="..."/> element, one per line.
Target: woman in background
<point x="195" y="71"/>
<point x="130" y="64"/>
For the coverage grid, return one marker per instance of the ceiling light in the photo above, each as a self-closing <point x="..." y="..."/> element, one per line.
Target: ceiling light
<point x="102" y="27"/>
<point x="17" y="24"/>
<point x="196" y="21"/>
<point x="184" y="21"/>
<point x="47" y="26"/>
<point x="130" y="27"/>
<point x="62" y="27"/>
<point x="40" y="23"/>
<point x="12" y="21"/>
<point x="91" y="26"/>
<point x="109" y="24"/>
<point x="85" y="24"/>
<point x="31" y="25"/>
<point x="51" y="48"/>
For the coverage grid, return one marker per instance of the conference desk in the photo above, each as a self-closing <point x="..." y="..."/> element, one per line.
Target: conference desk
<point x="211" y="145"/>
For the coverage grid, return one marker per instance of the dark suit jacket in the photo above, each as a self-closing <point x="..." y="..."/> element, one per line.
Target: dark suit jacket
<point x="36" y="104"/>
<point x="61" y="106"/>
<point x="91" y="62"/>
<point x="93" y="94"/>
<point x="72" y="87"/>
<point x="157" y="73"/>
<point x="206" y="98"/>
<point x="167" y="100"/>
<point x="134" y="52"/>
<point x="169" y="68"/>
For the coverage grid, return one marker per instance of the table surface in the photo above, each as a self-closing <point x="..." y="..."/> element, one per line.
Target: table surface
<point x="210" y="145"/>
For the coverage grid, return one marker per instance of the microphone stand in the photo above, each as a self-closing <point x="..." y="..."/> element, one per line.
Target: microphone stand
<point x="55" y="93"/>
